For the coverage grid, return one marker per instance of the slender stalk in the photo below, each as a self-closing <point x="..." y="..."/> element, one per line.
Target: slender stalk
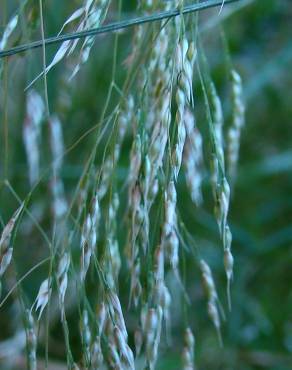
<point x="117" y="26"/>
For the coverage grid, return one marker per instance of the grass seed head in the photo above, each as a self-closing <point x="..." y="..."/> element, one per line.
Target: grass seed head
<point x="208" y="281"/>
<point x="31" y="340"/>
<point x="10" y="27"/>
<point x="228" y="265"/>
<point x="6" y="248"/>
<point x="43" y="296"/>
<point x="214" y="316"/>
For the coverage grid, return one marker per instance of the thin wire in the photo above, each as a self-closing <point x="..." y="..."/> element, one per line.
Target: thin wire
<point x="44" y="58"/>
<point x="117" y="26"/>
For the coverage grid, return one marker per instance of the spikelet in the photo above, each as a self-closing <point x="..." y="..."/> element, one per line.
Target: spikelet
<point x="107" y="170"/>
<point x="193" y="158"/>
<point x="6" y="248"/>
<point x="234" y="131"/>
<point x="91" y="13"/>
<point x="161" y="294"/>
<point x="97" y="359"/>
<point x="208" y="281"/>
<point x="165" y="303"/>
<point x="162" y="298"/>
<point x="146" y="181"/>
<point x="75" y="15"/>
<point x="158" y="266"/>
<point x="228" y="265"/>
<point x="136" y="216"/>
<point x="31" y="340"/>
<point x="89" y="236"/>
<point x="185" y="58"/>
<point x="67" y="47"/>
<point x="220" y="187"/>
<point x="222" y="207"/>
<point x="218" y="121"/>
<point x="181" y="133"/>
<point x="181" y="54"/>
<point x="161" y="120"/>
<point x="214" y="315"/>
<point x="221" y="212"/>
<point x="153" y="324"/>
<point x="124" y="350"/>
<point x="86" y="336"/>
<point x="43" y="296"/>
<point x="31" y="133"/>
<point x="170" y="239"/>
<point x="218" y="179"/>
<point x="158" y="81"/>
<point x="138" y="234"/>
<point x="120" y="354"/>
<point x="158" y="53"/>
<point x="86" y="253"/>
<point x="188" y="350"/>
<point x="60" y="54"/>
<point x="134" y="246"/>
<point x="135" y="164"/>
<point x="62" y="276"/>
<point x="94" y="18"/>
<point x="214" y="178"/>
<point x="115" y="309"/>
<point x="10" y="27"/>
<point x="114" y="358"/>
<point x="212" y="297"/>
<point x="136" y="287"/>
<point x="8" y="30"/>
<point x="112" y="258"/>
<point x="170" y="210"/>
<point x="101" y="313"/>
